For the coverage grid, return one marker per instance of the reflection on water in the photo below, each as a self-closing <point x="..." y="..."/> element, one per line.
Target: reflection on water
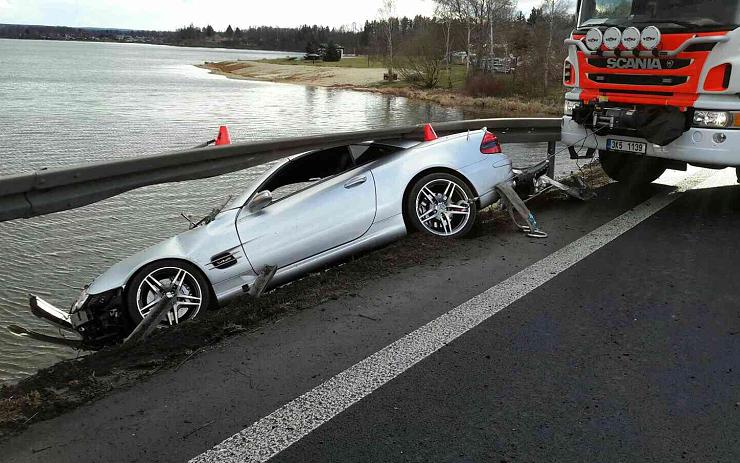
<point x="69" y="102"/>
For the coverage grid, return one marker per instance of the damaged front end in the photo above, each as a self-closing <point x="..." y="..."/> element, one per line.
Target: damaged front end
<point x="98" y="320"/>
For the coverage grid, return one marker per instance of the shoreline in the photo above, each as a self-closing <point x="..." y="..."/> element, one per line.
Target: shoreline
<point x="371" y="80"/>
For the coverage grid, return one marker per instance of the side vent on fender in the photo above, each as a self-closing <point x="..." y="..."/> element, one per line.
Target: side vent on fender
<point x="223" y="260"/>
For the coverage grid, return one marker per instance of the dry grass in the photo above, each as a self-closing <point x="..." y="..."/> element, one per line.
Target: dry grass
<point x="494" y="106"/>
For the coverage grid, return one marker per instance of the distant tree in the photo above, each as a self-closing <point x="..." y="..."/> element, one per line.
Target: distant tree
<point x="333" y="52"/>
<point x="229" y="33"/>
<point x="209" y="31"/>
<point x="420" y="57"/>
<point x="312" y="47"/>
<point x="534" y="16"/>
<point x="406" y="25"/>
<point x="387" y="16"/>
<point x="238" y="35"/>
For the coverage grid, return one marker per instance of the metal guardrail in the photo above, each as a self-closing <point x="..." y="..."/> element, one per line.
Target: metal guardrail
<point x="53" y="190"/>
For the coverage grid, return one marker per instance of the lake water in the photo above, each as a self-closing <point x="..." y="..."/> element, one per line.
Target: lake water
<point x="64" y="103"/>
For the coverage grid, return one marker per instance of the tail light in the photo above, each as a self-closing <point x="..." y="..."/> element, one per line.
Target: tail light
<point x="718" y="78"/>
<point x="490" y="144"/>
<point x="568" y="73"/>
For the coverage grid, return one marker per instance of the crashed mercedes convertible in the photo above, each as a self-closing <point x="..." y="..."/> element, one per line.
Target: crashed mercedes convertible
<point x="308" y="210"/>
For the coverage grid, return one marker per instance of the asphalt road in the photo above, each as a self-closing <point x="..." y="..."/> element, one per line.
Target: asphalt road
<point x="630" y="354"/>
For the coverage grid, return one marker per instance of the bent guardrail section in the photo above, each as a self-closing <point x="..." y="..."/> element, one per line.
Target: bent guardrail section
<point x="53" y="190"/>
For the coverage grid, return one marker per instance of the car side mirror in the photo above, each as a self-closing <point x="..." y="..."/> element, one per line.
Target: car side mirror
<point x="260" y="201"/>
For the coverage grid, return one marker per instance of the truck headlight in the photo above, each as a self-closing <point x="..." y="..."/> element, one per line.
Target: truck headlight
<point x="569" y="105"/>
<point x="713" y="119"/>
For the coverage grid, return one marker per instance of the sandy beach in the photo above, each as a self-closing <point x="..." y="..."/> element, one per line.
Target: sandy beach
<point x="305" y="74"/>
<point x="371" y="80"/>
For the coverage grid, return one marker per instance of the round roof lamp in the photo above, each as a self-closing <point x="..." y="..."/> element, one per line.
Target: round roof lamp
<point x="612" y="38"/>
<point x="594" y="39"/>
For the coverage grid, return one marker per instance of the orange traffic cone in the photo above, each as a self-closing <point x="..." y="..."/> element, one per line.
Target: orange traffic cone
<point x="223" y="137"/>
<point x="429" y="133"/>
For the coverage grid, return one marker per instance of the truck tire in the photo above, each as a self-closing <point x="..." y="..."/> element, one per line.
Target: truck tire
<point x="632" y="169"/>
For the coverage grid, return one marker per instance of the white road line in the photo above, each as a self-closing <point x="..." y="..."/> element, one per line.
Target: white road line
<point x="291" y="422"/>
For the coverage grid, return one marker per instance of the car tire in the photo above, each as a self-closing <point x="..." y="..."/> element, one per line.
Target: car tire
<point x="441" y="204"/>
<point x="631" y="169"/>
<point x="194" y="294"/>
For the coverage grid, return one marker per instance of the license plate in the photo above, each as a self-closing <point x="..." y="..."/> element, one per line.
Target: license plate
<point x="626" y="146"/>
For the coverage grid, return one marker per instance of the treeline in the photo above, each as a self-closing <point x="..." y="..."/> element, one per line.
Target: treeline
<point x="484" y="36"/>
<point x="20" y="31"/>
<point x="267" y="38"/>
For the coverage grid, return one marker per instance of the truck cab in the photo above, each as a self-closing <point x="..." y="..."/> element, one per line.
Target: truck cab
<point x="654" y="85"/>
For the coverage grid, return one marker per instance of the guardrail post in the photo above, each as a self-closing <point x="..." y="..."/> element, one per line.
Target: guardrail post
<point x="551" y="159"/>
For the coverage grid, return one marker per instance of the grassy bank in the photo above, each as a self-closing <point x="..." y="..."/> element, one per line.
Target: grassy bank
<point x="505" y="99"/>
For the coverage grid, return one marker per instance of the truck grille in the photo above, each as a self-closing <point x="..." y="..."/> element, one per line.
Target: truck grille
<point x="638" y="79"/>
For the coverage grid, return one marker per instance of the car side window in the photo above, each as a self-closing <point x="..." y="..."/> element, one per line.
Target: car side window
<point x="307" y="170"/>
<point x="364" y="154"/>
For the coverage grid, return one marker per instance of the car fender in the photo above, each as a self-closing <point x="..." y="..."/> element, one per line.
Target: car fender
<point x="454" y="153"/>
<point x="197" y="246"/>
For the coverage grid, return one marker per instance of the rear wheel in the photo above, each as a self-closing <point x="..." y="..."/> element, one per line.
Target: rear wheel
<point x="146" y="289"/>
<point x="630" y="168"/>
<point x="441" y="204"/>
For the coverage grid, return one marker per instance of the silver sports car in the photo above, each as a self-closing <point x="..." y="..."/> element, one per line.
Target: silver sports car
<point x="306" y="211"/>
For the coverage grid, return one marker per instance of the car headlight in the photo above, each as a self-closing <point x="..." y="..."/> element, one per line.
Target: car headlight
<point x="80" y="302"/>
<point x="569" y="105"/>
<point x="713" y="119"/>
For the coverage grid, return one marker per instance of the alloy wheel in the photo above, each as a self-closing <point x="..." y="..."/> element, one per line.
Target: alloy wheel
<point x="443" y="207"/>
<point x="188" y="298"/>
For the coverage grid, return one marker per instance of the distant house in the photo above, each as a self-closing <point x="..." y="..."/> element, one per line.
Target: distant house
<point x="501" y="65"/>
<point x="461" y="57"/>
<point x="324" y="47"/>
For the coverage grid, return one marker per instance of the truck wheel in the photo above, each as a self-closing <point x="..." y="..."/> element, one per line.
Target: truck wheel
<point x="629" y="168"/>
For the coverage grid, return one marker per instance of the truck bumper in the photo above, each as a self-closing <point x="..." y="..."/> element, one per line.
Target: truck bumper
<point x="697" y="146"/>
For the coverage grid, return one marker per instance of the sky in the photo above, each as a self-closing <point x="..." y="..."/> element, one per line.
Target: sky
<point x="171" y="14"/>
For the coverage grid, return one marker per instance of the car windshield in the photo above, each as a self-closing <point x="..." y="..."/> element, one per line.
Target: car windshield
<point x="687" y="14"/>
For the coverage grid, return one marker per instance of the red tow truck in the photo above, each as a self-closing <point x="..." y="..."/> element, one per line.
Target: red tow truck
<point x="654" y="85"/>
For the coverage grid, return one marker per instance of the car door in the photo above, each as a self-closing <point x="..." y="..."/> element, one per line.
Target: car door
<point x="328" y="214"/>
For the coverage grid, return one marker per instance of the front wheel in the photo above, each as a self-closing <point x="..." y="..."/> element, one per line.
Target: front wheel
<point x="441" y="204"/>
<point x="146" y="289"/>
<point x="630" y="168"/>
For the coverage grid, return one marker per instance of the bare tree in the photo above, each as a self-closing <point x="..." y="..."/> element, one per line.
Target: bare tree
<point x="420" y="57"/>
<point x="480" y="18"/>
<point x="464" y="12"/>
<point x="446" y="17"/>
<point x="387" y="15"/>
<point x="554" y="10"/>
